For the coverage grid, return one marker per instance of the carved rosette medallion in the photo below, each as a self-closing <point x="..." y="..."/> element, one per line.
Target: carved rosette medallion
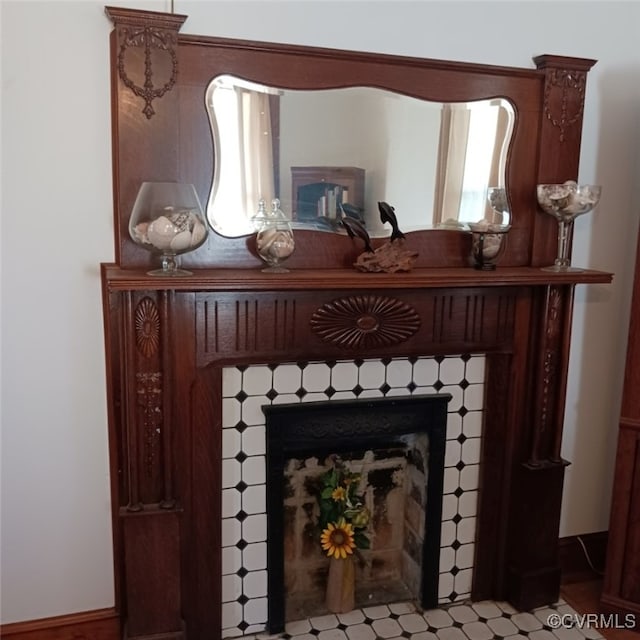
<point x="365" y="321"/>
<point x="564" y="98"/>
<point x="150" y="39"/>
<point x="147" y="323"/>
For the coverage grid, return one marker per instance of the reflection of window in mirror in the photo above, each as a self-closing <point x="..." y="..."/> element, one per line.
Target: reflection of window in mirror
<point x="243" y="136"/>
<point x="472" y="157"/>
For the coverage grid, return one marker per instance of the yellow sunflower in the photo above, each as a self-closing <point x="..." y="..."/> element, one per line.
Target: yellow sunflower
<point x="339" y="494"/>
<point x="337" y="539"/>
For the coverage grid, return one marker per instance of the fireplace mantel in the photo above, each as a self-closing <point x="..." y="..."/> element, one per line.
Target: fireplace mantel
<point x="168" y="339"/>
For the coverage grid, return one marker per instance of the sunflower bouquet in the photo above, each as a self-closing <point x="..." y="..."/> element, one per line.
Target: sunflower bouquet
<point x="343" y="514"/>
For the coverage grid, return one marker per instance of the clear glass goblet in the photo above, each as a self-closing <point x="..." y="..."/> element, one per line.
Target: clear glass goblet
<point x="565" y="202"/>
<point x="167" y="219"/>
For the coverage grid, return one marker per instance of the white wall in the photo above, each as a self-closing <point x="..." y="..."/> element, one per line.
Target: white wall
<point x="56" y="229"/>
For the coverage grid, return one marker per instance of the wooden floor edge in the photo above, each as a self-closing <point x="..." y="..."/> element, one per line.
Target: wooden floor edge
<point x="100" y="624"/>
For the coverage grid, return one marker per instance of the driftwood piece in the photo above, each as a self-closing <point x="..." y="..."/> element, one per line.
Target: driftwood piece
<point x="387" y="258"/>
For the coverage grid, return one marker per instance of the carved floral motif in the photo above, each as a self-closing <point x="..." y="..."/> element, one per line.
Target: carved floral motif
<point x="365" y="321"/>
<point x="149" y="396"/>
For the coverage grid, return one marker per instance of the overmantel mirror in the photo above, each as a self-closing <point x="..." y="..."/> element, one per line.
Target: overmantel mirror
<point x="340" y="131"/>
<point x="331" y="153"/>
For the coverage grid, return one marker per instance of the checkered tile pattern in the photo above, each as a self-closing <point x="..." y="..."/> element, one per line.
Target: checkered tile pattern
<point x="244" y="522"/>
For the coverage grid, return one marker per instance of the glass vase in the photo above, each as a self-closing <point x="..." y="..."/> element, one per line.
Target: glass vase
<point x="274" y="236"/>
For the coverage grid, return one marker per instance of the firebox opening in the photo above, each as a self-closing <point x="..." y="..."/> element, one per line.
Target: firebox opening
<point x="397" y="445"/>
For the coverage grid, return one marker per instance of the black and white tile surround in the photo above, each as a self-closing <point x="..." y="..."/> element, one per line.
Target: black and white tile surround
<point x="244" y="535"/>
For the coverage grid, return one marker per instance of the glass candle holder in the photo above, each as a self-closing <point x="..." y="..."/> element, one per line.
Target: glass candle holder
<point x="488" y="242"/>
<point x="167" y="220"/>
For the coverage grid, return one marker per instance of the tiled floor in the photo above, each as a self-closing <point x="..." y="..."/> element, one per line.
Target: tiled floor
<point x="486" y="620"/>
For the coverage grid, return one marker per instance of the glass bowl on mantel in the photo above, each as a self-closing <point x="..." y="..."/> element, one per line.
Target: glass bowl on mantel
<point x="489" y="236"/>
<point x="274" y="236"/>
<point x="565" y="202"/>
<point x="167" y="219"/>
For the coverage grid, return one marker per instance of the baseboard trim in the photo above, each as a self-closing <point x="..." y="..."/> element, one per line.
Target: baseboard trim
<point x="574" y="565"/>
<point x="102" y="624"/>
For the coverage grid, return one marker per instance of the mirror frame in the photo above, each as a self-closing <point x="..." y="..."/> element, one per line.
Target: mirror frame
<point x="163" y="133"/>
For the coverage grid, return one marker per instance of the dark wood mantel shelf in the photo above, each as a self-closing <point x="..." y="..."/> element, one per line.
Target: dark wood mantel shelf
<point x="312" y="279"/>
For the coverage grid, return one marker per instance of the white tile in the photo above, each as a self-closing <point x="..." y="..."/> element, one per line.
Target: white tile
<point x="231" y="588"/>
<point x="457" y="397"/>
<point x="477" y="631"/>
<point x="254" y="440"/>
<point x="298" y="627"/>
<point x="464" y="557"/>
<point x="424" y="635"/>
<point x="286" y="398"/>
<point x="254" y="499"/>
<point x="231" y="560"/>
<point x="542" y="634"/>
<point x="316" y="396"/>
<point x="425" y="372"/>
<point x="468" y="504"/>
<point x="466" y="530"/>
<point x="488" y="609"/>
<point x="451" y="633"/>
<point x="252" y="413"/>
<point x="255" y="610"/>
<point x="343" y="395"/>
<point x="254" y="556"/>
<point x="449" y="506"/>
<point x="231" y="502"/>
<point x="474" y="397"/>
<point x="230" y="532"/>
<point x="448" y="535"/>
<point x="399" y="372"/>
<point x="471" y="451"/>
<point x="230" y="412"/>
<point x="316" y="376"/>
<point x="254" y="528"/>
<point x="386" y="627"/>
<point x="452" y="453"/>
<point x="254" y="470"/>
<point x="375" y="613"/>
<point x="231" y="381"/>
<point x="439" y="618"/>
<point x="447" y="558"/>
<point x="397" y="392"/>
<point x="454" y="425"/>
<point x="470" y="477"/>
<point x="360" y="632"/>
<point x="502" y="626"/>
<point x="230" y="633"/>
<point x="371" y="374"/>
<point x="474" y="369"/>
<point x="344" y="376"/>
<point x="257" y="380"/>
<point x="412" y="622"/>
<point x="451" y="479"/>
<point x="332" y="634"/>
<point x="231" y="614"/>
<point x="324" y="622"/>
<point x="472" y="424"/>
<point x="452" y="370"/>
<point x="231" y="473"/>
<point x="526" y="621"/>
<point x="401" y="608"/>
<point x="371" y="393"/>
<point x="231" y="442"/>
<point x="255" y="584"/>
<point x="462" y="582"/>
<point x="463" y="614"/>
<point x="287" y="378"/>
<point x="351" y="617"/>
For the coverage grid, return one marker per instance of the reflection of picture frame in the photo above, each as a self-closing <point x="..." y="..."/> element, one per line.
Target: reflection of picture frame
<point x="318" y="192"/>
